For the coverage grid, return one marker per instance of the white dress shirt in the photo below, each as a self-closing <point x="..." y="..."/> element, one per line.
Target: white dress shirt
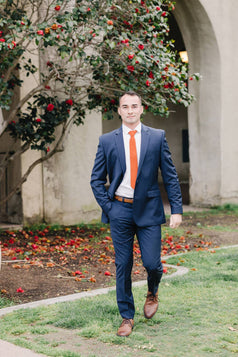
<point x="125" y="189"/>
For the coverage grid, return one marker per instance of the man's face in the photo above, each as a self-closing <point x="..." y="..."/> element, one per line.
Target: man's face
<point x="130" y="110"/>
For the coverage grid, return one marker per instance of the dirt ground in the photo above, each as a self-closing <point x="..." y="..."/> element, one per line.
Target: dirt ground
<point x="51" y="262"/>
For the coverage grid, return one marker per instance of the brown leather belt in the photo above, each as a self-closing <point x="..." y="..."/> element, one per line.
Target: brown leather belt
<point x="123" y="199"/>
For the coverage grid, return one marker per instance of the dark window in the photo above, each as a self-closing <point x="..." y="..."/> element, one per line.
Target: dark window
<point x="185" y="143"/>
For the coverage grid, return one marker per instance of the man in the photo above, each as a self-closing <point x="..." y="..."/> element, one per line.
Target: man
<point x="131" y="157"/>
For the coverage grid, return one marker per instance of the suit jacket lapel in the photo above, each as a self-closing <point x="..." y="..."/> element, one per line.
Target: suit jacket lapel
<point x="120" y="148"/>
<point x="144" y="144"/>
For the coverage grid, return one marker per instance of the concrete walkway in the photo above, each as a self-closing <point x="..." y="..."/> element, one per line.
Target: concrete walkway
<point x="9" y="350"/>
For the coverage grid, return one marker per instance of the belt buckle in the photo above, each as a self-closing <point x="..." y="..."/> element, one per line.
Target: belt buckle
<point x="124" y="199"/>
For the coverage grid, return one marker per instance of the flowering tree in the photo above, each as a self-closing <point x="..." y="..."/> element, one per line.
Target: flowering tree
<point x="91" y="52"/>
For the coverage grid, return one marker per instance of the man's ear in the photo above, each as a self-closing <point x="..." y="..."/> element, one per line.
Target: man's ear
<point x="119" y="110"/>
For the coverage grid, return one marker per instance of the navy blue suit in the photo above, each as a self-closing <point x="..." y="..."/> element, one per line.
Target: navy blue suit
<point x="145" y="215"/>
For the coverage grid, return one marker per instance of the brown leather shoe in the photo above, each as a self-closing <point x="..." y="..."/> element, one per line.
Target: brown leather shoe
<point x="126" y="327"/>
<point x="151" y="305"/>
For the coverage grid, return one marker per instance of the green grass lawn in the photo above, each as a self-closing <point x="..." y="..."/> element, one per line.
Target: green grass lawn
<point x="197" y="317"/>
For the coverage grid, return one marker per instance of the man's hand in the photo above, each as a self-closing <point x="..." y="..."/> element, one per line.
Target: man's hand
<point x="175" y="220"/>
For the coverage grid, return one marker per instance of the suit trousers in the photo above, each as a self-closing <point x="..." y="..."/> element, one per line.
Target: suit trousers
<point x="123" y="231"/>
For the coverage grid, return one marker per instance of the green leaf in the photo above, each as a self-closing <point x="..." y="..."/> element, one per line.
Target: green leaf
<point x="112" y="45"/>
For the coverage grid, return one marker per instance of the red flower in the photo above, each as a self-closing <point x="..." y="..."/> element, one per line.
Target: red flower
<point x="136" y="10"/>
<point x="141" y="47"/>
<point x="107" y="273"/>
<point x="22" y="23"/>
<point x="69" y="102"/>
<point x="1" y="33"/>
<point x="88" y="9"/>
<point x="40" y="32"/>
<point x="113" y="102"/>
<point x="78" y="272"/>
<point x="151" y="75"/>
<point x="147" y="83"/>
<point x="131" y="68"/>
<point x="38" y="120"/>
<point x="47" y="87"/>
<point x="164" y="13"/>
<point x="49" y="64"/>
<point x="20" y="290"/>
<point x="57" y="8"/>
<point x="2" y="40"/>
<point x="110" y="22"/>
<point x="131" y="57"/>
<point x="12" y="46"/>
<point x="50" y="107"/>
<point x="158" y="8"/>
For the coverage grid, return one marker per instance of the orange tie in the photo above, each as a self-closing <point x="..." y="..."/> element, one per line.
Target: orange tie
<point x="133" y="158"/>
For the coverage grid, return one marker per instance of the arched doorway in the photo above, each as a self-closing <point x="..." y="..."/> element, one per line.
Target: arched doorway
<point x="204" y="115"/>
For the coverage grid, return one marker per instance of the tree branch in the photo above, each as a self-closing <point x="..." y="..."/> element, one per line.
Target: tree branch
<point x="10" y="156"/>
<point x="28" y="96"/>
<point x="35" y="163"/>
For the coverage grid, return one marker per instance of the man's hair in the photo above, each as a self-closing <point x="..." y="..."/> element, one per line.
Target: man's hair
<point x="131" y="93"/>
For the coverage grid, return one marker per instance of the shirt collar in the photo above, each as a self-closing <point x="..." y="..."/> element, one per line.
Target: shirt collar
<point x="126" y="129"/>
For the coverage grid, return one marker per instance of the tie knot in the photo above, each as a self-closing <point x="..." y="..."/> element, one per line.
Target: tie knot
<point x="132" y="132"/>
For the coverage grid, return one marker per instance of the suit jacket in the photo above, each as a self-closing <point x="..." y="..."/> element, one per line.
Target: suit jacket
<point x="110" y="161"/>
